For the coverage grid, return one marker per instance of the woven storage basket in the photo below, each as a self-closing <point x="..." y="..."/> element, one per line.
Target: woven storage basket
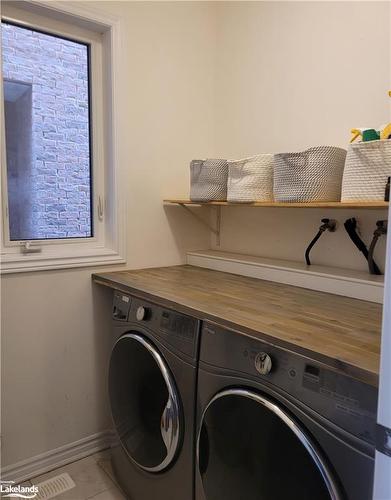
<point x="208" y="180"/>
<point x="251" y="179"/>
<point x="368" y="165"/>
<point x="309" y="176"/>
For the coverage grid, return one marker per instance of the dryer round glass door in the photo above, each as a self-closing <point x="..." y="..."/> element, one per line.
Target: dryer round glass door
<point x="248" y="447"/>
<point x="144" y="403"/>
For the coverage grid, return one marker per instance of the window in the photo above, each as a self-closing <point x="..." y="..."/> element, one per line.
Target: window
<point x="60" y="183"/>
<point x="47" y="129"/>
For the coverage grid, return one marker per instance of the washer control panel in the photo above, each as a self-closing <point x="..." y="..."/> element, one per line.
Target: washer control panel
<point x="178" y="330"/>
<point x="177" y="324"/>
<point x="347" y="402"/>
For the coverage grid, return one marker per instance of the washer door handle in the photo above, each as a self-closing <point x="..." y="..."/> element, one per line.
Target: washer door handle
<point x="170" y="424"/>
<point x="169" y="427"/>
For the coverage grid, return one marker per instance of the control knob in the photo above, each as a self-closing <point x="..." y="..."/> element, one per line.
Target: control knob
<point x="263" y="363"/>
<point x="142" y="313"/>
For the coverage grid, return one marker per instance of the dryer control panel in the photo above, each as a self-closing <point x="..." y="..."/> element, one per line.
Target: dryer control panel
<point x="347" y="402"/>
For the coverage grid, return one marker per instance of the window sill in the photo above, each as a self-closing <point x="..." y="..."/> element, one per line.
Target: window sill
<point x="19" y="263"/>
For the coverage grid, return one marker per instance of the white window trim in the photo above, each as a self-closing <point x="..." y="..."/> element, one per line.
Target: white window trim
<point x="108" y="246"/>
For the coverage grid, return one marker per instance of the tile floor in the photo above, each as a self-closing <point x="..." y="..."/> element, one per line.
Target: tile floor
<point x="93" y="477"/>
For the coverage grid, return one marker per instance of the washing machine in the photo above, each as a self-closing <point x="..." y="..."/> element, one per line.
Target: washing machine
<point x="152" y="390"/>
<point x="273" y="424"/>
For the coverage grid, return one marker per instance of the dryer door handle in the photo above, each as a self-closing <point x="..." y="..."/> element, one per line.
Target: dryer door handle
<point x="169" y="428"/>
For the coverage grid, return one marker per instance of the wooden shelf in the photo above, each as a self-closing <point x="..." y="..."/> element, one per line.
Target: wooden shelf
<point x="371" y="205"/>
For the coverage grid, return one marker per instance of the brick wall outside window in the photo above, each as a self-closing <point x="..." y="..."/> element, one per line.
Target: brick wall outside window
<point x="58" y="178"/>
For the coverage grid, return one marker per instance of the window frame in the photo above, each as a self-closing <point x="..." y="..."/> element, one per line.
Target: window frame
<point x="95" y="96"/>
<point x="107" y="243"/>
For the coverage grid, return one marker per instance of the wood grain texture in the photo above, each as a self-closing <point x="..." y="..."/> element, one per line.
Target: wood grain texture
<point x="342" y="332"/>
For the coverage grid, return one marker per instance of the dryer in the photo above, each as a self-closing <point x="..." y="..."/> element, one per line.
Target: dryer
<point x="273" y="424"/>
<point x="152" y="390"/>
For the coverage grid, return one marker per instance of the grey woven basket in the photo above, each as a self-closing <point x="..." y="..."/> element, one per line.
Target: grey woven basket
<point x="368" y="165"/>
<point x="208" y="180"/>
<point x="309" y="176"/>
<point x="251" y="179"/>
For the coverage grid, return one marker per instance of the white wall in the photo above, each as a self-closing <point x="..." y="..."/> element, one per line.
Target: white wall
<point x="291" y="75"/>
<point x="55" y="324"/>
<point x="199" y="79"/>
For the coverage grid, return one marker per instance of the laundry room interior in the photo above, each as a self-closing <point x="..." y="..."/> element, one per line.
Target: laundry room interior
<point x="195" y="282"/>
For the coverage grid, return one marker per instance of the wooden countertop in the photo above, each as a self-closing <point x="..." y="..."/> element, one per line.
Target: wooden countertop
<point x="342" y="332"/>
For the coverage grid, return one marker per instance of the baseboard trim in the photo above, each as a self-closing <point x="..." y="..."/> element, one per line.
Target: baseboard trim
<point x="45" y="462"/>
<point x="349" y="283"/>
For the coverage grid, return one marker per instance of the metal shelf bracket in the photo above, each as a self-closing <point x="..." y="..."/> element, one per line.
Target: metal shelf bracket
<point x="214" y="229"/>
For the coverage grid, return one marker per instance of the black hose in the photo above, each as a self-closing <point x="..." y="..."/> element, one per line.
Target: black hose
<point x="350" y="227"/>
<point x="327" y="225"/>
<point x="371" y="262"/>
<point x="309" y="248"/>
<point x="381" y="228"/>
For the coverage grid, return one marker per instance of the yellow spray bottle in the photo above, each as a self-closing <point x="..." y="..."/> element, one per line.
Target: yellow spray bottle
<point x="385" y="132"/>
<point x="370" y="134"/>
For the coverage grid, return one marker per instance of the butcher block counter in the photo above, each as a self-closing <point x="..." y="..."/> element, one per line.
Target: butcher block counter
<point x="341" y="332"/>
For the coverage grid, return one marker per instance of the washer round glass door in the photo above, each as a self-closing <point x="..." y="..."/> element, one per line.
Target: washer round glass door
<point x="248" y="447"/>
<point x="144" y="403"/>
